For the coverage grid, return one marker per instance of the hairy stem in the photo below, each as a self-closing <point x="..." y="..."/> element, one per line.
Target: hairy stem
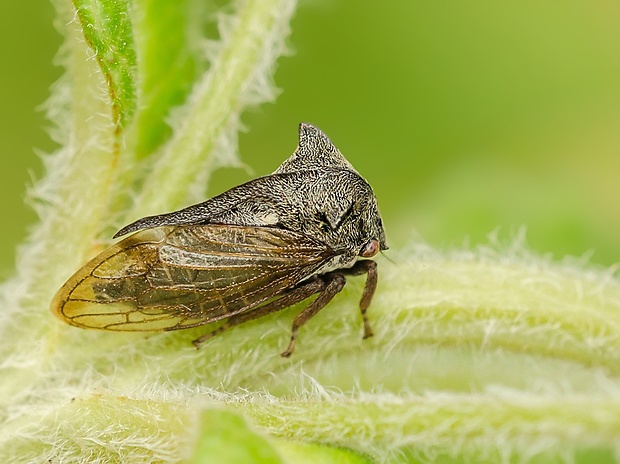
<point x="250" y="41"/>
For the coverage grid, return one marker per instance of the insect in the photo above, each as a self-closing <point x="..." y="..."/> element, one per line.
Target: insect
<point x="255" y="249"/>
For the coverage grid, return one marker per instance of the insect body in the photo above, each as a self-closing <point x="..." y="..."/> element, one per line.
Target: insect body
<point x="255" y="249"/>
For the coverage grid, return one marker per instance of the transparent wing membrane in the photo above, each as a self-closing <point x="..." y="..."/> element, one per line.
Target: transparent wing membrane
<point x="169" y="278"/>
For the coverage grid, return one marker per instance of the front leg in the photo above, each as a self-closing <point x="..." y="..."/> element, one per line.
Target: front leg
<point x="297" y="294"/>
<point x="369" y="268"/>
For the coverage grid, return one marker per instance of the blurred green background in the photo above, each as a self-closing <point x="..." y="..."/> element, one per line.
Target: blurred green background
<point x="464" y="116"/>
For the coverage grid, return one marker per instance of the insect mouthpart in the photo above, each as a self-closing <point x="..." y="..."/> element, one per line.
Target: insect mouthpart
<point x="370" y="249"/>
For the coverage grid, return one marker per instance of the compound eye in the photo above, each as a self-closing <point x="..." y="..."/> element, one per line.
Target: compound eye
<point x="370" y="249"/>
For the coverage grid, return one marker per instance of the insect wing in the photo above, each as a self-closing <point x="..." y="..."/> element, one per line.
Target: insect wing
<point x="169" y="278"/>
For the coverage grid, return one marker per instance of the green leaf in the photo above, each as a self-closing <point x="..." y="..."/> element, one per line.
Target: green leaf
<point x="311" y="453"/>
<point x="240" y="77"/>
<point x="169" y="62"/>
<point x="107" y="28"/>
<point x="226" y="438"/>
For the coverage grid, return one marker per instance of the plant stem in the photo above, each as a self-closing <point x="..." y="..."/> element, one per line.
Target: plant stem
<point x="254" y="38"/>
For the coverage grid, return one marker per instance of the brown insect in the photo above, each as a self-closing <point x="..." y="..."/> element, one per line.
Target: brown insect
<point x="255" y="249"/>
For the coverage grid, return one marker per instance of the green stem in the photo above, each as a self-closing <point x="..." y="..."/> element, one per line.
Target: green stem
<point x="218" y="99"/>
<point x="72" y="199"/>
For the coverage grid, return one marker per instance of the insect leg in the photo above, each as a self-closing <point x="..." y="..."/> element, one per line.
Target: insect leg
<point x="369" y="268"/>
<point x="297" y="294"/>
<point x="332" y="285"/>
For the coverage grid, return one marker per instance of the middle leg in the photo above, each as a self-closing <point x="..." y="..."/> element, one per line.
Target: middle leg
<point x="333" y="283"/>
<point x="297" y="294"/>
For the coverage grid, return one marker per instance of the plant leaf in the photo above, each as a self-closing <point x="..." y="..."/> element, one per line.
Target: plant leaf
<point x="107" y="28"/>
<point x="169" y="60"/>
